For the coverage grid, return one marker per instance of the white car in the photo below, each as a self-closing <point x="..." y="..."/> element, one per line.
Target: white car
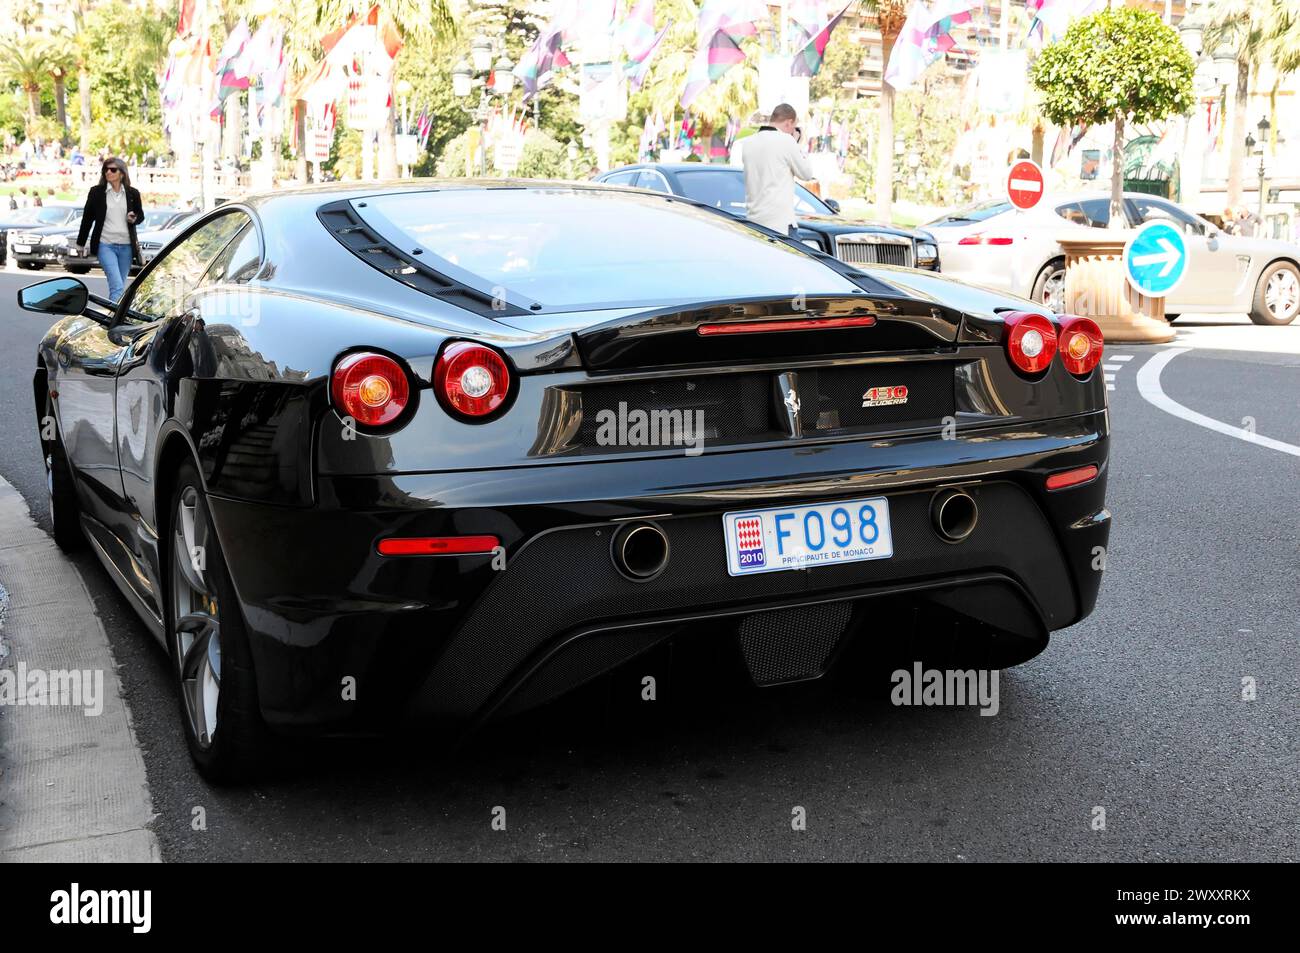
<point x="995" y="245"/>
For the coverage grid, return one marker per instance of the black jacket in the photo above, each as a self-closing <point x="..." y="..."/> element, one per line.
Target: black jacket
<point x="92" y="218"/>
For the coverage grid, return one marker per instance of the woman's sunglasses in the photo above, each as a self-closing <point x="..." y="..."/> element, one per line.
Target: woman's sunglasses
<point x="112" y="168"/>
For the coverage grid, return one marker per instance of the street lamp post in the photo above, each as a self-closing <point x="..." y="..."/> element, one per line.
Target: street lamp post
<point x="481" y="72"/>
<point x="1263" y="127"/>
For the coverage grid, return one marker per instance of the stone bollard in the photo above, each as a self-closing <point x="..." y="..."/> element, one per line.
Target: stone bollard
<point x="1095" y="287"/>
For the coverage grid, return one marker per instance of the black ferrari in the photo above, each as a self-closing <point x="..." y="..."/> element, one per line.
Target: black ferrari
<point x="449" y="450"/>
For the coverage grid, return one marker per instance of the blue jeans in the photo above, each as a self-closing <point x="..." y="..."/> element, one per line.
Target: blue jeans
<point x="116" y="262"/>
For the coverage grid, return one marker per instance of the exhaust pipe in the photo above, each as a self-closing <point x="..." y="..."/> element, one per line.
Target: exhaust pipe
<point x="639" y="551"/>
<point x="954" y="514"/>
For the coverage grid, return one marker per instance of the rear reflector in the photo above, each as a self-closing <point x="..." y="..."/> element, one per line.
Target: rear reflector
<point x="437" y="545"/>
<point x="985" y="240"/>
<point x="1066" y="478"/>
<point x="798" y="324"/>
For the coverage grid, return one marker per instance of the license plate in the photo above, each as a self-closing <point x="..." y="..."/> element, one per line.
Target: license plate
<point x="802" y="537"/>
<point x="23" y="248"/>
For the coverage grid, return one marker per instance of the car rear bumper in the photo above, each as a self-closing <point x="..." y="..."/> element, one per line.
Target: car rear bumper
<point x="461" y="638"/>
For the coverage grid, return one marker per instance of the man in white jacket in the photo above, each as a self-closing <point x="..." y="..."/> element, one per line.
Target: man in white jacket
<point x="773" y="160"/>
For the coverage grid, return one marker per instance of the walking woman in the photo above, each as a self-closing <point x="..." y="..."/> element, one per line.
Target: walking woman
<point x="112" y="209"/>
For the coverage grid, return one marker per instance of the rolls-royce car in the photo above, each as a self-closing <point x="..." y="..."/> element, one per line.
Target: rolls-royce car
<point x="36" y="245"/>
<point x="362" y="455"/>
<point x="821" y="226"/>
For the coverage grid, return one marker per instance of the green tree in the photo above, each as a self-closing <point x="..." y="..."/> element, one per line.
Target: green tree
<point x="1259" y="31"/>
<point x="889" y="17"/>
<point x="1121" y="65"/>
<point x="25" y="63"/>
<point x="61" y="59"/>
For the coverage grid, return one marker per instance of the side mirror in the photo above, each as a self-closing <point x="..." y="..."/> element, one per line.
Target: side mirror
<point x="833" y="205"/>
<point x="56" y="296"/>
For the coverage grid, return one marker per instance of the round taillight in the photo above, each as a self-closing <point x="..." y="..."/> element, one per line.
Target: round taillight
<point x="1030" y="341"/>
<point x="1081" y="345"/>
<point x="473" y="380"/>
<point x="370" y="388"/>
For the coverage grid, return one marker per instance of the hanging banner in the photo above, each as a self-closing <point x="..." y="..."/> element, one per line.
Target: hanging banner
<point x="602" y="95"/>
<point x="776" y="85"/>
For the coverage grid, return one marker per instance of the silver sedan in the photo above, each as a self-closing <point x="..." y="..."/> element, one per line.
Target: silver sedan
<point x="992" y="244"/>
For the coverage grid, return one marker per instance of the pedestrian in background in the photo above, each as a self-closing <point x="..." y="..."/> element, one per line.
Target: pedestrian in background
<point x="773" y="160"/>
<point x="112" y="209"/>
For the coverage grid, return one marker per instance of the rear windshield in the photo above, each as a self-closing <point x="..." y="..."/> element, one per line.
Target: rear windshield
<point x="588" y="249"/>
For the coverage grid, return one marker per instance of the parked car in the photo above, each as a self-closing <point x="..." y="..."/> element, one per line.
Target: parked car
<point x="368" y="435"/>
<point x="154" y="219"/>
<point x="995" y="245"/>
<point x="152" y="241"/>
<point x="820" y="224"/>
<point x="33" y="219"/>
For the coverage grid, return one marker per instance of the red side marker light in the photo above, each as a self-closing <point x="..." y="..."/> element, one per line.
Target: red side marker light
<point x="437" y="545"/>
<point x="1068" y="478"/>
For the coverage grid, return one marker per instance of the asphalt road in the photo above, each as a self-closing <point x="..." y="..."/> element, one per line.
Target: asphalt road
<point x="1137" y="710"/>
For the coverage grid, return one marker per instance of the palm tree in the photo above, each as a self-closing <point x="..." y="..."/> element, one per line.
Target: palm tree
<point x="81" y="47"/>
<point x="61" y="58"/>
<point x="1250" y="27"/>
<point x="24" y="61"/>
<point x="889" y="17"/>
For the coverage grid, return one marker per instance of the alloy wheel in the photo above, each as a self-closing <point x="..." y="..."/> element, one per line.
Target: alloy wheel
<point x="1054" y="291"/>
<point x="1282" y="294"/>
<point x="196" y="616"/>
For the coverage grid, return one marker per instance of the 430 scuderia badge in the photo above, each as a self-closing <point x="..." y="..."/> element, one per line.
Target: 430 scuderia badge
<point x="885" y="396"/>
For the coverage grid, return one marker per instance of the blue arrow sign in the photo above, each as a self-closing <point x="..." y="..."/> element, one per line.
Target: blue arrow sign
<point x="1155" y="259"/>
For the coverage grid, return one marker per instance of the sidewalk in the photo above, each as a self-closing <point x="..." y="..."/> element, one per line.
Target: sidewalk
<point x="72" y="781"/>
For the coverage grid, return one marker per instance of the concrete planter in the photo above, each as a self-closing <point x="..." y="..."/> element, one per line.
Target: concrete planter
<point x="1095" y="287"/>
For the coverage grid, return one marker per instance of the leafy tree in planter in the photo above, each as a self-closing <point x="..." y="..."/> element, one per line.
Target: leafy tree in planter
<point x="1121" y="65"/>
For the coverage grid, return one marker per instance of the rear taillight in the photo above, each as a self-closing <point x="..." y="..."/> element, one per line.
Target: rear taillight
<point x="1080" y="345"/>
<point x="1030" y="341"/>
<point x="982" y="239"/>
<point x="370" y="388"/>
<point x="472" y="380"/>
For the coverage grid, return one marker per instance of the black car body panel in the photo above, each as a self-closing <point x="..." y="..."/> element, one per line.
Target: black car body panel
<point x="235" y="377"/>
<point x="820" y="226"/>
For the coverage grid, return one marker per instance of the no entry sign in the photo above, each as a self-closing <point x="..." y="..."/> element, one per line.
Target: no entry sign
<point x="1025" y="185"/>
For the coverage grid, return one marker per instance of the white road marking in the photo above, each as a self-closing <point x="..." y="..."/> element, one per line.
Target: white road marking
<point x="1120" y="357"/>
<point x="1148" y="382"/>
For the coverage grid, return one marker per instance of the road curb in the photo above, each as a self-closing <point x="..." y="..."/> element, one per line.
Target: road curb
<point x="72" y="783"/>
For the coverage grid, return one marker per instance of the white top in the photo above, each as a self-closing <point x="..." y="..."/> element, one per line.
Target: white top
<point x="114" y="230"/>
<point x="773" y="160"/>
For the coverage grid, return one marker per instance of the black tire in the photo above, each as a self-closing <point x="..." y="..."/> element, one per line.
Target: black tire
<point x="1286" y="303"/>
<point x="31" y="265"/>
<point x="1051" y="269"/>
<point x="235" y="743"/>
<point x="65" y="510"/>
<point x="79" y="269"/>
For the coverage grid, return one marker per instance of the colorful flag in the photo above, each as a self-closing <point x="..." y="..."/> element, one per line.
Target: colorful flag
<point x="1051" y="18"/>
<point x="924" y="38"/>
<point x="546" y="54"/>
<point x="807" y="15"/>
<point x="638" y="69"/>
<point x="809" y="59"/>
<point x="636" y="34"/>
<point x="1066" y="140"/>
<point x="735" y="18"/>
<point x="710" y="63"/>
